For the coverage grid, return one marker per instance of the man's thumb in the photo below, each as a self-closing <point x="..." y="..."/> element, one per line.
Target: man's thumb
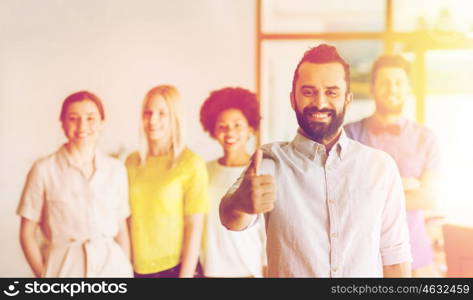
<point x="256" y="159"/>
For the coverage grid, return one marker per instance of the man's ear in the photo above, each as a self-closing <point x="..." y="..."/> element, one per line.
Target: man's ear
<point x="349" y="98"/>
<point x="293" y="100"/>
<point x="372" y="89"/>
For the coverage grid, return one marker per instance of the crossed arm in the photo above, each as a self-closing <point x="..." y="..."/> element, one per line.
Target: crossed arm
<point x="421" y="193"/>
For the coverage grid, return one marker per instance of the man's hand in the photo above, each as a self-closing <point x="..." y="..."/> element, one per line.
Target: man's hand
<point x="410" y="183"/>
<point x="422" y="193"/>
<point x="256" y="193"/>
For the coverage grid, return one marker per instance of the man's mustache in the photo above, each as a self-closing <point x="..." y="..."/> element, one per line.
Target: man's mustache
<point x="313" y="110"/>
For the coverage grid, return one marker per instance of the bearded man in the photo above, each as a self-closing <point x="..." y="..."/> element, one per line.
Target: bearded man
<point x="333" y="207"/>
<point x="413" y="147"/>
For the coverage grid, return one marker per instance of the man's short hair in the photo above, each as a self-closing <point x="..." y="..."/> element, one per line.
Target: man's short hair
<point x="389" y="61"/>
<point x="322" y="54"/>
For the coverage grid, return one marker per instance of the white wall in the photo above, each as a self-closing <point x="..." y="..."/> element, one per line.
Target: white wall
<point x="117" y="49"/>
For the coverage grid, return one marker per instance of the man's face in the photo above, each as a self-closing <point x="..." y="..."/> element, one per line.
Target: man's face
<point x="320" y="99"/>
<point x="390" y="90"/>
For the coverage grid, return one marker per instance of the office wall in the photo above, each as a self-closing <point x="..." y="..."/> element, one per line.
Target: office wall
<point x="117" y="49"/>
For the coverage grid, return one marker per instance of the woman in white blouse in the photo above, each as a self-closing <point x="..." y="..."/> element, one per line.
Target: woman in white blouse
<point x="78" y="198"/>
<point x="230" y="116"/>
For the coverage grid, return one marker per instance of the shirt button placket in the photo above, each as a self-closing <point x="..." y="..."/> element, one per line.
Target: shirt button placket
<point x="334" y="242"/>
<point x="90" y="208"/>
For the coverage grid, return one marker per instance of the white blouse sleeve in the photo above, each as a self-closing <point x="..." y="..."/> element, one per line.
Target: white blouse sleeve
<point x="32" y="197"/>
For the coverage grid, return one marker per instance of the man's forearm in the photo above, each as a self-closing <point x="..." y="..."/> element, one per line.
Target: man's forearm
<point x="422" y="193"/>
<point x="398" y="270"/>
<point x="230" y="217"/>
<point x="421" y="198"/>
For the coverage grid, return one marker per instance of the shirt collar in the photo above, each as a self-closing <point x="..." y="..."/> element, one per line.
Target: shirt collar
<point x="66" y="158"/>
<point x="311" y="148"/>
<point x="342" y="144"/>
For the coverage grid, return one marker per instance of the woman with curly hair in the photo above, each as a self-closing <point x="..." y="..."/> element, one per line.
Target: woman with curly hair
<point x="230" y="116"/>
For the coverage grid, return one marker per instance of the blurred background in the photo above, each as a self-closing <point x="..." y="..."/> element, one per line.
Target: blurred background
<point x="119" y="49"/>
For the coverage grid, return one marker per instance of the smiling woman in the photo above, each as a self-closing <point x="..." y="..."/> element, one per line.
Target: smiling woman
<point x="78" y="197"/>
<point x="230" y="116"/>
<point x="168" y="192"/>
<point x="82" y="115"/>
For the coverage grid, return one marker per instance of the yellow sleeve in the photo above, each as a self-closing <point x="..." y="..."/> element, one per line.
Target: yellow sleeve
<point x="196" y="199"/>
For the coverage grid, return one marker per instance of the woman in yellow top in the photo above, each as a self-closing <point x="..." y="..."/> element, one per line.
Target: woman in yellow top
<point x="168" y="192"/>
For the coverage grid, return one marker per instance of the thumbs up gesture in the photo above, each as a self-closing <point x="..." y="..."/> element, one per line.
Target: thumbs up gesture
<point x="257" y="193"/>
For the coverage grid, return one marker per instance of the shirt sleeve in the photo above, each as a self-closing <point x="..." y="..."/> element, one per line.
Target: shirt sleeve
<point x="32" y="197"/>
<point x="394" y="245"/>
<point x="196" y="198"/>
<point x="123" y="201"/>
<point x="262" y="234"/>
<point x="353" y="130"/>
<point x="348" y="130"/>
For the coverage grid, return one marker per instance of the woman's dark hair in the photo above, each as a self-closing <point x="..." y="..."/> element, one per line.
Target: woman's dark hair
<point x="227" y="98"/>
<point x="78" y="97"/>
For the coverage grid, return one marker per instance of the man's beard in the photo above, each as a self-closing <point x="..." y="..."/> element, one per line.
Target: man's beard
<point x="318" y="131"/>
<point x="388" y="108"/>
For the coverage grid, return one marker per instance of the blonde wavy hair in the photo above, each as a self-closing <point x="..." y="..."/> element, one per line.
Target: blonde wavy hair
<point x="171" y="96"/>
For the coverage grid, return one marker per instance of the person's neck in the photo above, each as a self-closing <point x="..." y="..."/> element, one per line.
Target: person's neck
<point x="81" y="154"/>
<point x="159" y="148"/>
<point x="328" y="142"/>
<point x="235" y="158"/>
<point x="386" y="119"/>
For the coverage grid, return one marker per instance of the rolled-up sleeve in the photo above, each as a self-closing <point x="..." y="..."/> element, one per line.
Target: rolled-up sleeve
<point x="394" y="245"/>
